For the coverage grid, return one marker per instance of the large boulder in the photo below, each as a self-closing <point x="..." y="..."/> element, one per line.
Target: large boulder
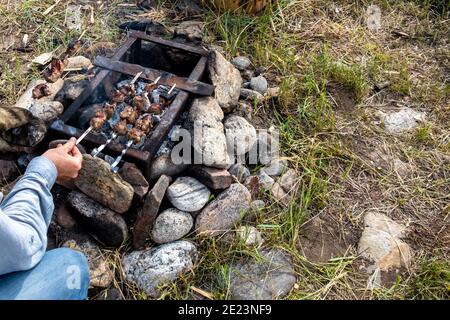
<point x="381" y="242"/>
<point x="147" y="214"/>
<point x="107" y="225"/>
<point x="224" y="212"/>
<point x="188" y="194"/>
<point x="8" y="171"/>
<point x="96" y="180"/>
<point x="172" y="224"/>
<point x="226" y="79"/>
<point x="164" y="165"/>
<point x="150" y="268"/>
<point x="208" y="138"/>
<point x="241" y="136"/>
<point x="269" y="279"/>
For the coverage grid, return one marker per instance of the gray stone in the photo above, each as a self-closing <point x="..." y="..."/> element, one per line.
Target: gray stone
<point x="131" y="174"/>
<point x="106" y="224"/>
<point x="78" y="62"/>
<point x="280" y="195"/>
<point x="208" y="138"/>
<point x="241" y="62"/>
<point x="190" y="30"/>
<point x="100" y="274"/>
<point x="276" y="167"/>
<point x="26" y="100"/>
<point x="147" y="214"/>
<point x="64" y="217"/>
<point x="72" y="90"/>
<point x="265" y="181"/>
<point x="96" y="180"/>
<point x="249" y="94"/>
<point x="188" y="194"/>
<point x="171" y="224"/>
<point x="189" y="7"/>
<point x="239" y="171"/>
<point x="226" y="79"/>
<point x="257" y="205"/>
<point x="164" y="264"/>
<point x="381" y="243"/>
<point x="224" y="212"/>
<point x="403" y="120"/>
<point x="241" y="135"/>
<point x="268" y="147"/>
<point x="250" y="236"/>
<point x="243" y="110"/>
<point x="8" y="171"/>
<point x="289" y="180"/>
<point x="269" y="279"/>
<point x="259" y="84"/>
<point x="163" y="165"/>
<point x="46" y="111"/>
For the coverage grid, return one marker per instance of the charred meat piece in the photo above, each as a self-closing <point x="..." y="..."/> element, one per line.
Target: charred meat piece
<point x="139" y="103"/>
<point x="98" y="120"/>
<point x="155" y="108"/>
<point x="121" y="128"/>
<point x="145" y="123"/>
<point x="55" y="71"/>
<point x="110" y="109"/>
<point x="128" y="89"/>
<point x="129" y="115"/>
<point x="165" y="102"/>
<point x="136" y="135"/>
<point x="150" y="87"/>
<point x="41" y="90"/>
<point x="118" y="97"/>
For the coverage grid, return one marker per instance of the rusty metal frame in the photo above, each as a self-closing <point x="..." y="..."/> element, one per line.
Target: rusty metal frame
<point x="153" y="142"/>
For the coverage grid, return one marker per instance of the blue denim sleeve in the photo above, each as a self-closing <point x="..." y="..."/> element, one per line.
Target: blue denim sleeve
<point x="25" y="215"/>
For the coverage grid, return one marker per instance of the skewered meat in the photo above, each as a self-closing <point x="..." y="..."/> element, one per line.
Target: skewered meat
<point x="121" y="128"/>
<point x="165" y="102"/>
<point x="98" y="120"/>
<point x="136" y="135"/>
<point x="129" y="114"/>
<point x="150" y="87"/>
<point x="110" y="109"/>
<point x="128" y="89"/>
<point x="139" y="103"/>
<point x="155" y="108"/>
<point x="118" y="97"/>
<point x="145" y="123"/>
<point x="147" y="102"/>
<point x="55" y="71"/>
<point x="41" y="90"/>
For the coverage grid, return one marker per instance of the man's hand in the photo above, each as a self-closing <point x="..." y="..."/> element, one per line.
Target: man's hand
<point x="67" y="159"/>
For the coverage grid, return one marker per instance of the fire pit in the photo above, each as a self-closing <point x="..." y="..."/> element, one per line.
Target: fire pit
<point x="174" y="65"/>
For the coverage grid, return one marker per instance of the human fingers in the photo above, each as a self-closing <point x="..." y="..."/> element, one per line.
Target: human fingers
<point x="69" y="145"/>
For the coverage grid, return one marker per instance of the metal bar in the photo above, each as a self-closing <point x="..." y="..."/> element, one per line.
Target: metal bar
<point x="154" y="141"/>
<point x="169" y="79"/>
<point x="95" y="140"/>
<point x="169" y="43"/>
<point x="95" y="82"/>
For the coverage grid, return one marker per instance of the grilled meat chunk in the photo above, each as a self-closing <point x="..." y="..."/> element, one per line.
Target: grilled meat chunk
<point x="110" y="109"/>
<point x="155" y="108"/>
<point x="41" y="90"/>
<point x="136" y="135"/>
<point x="139" y="103"/>
<point x="98" y="120"/>
<point x="118" y="97"/>
<point x="121" y="128"/>
<point x="129" y="115"/>
<point x="145" y="123"/>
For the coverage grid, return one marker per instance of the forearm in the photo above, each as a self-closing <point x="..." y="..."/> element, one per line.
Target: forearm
<point x="24" y="217"/>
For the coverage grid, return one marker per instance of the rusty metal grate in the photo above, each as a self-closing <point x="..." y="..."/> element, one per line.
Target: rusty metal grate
<point x="174" y="62"/>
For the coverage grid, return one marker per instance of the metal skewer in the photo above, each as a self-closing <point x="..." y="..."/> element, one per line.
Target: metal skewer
<point x="114" y="166"/>
<point x="84" y="135"/>
<point x="171" y="89"/>
<point x="96" y="151"/>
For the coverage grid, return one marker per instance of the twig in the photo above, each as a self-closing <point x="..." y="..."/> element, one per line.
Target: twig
<point x="49" y="9"/>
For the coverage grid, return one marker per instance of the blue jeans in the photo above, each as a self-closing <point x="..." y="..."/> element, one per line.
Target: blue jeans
<point x="62" y="274"/>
